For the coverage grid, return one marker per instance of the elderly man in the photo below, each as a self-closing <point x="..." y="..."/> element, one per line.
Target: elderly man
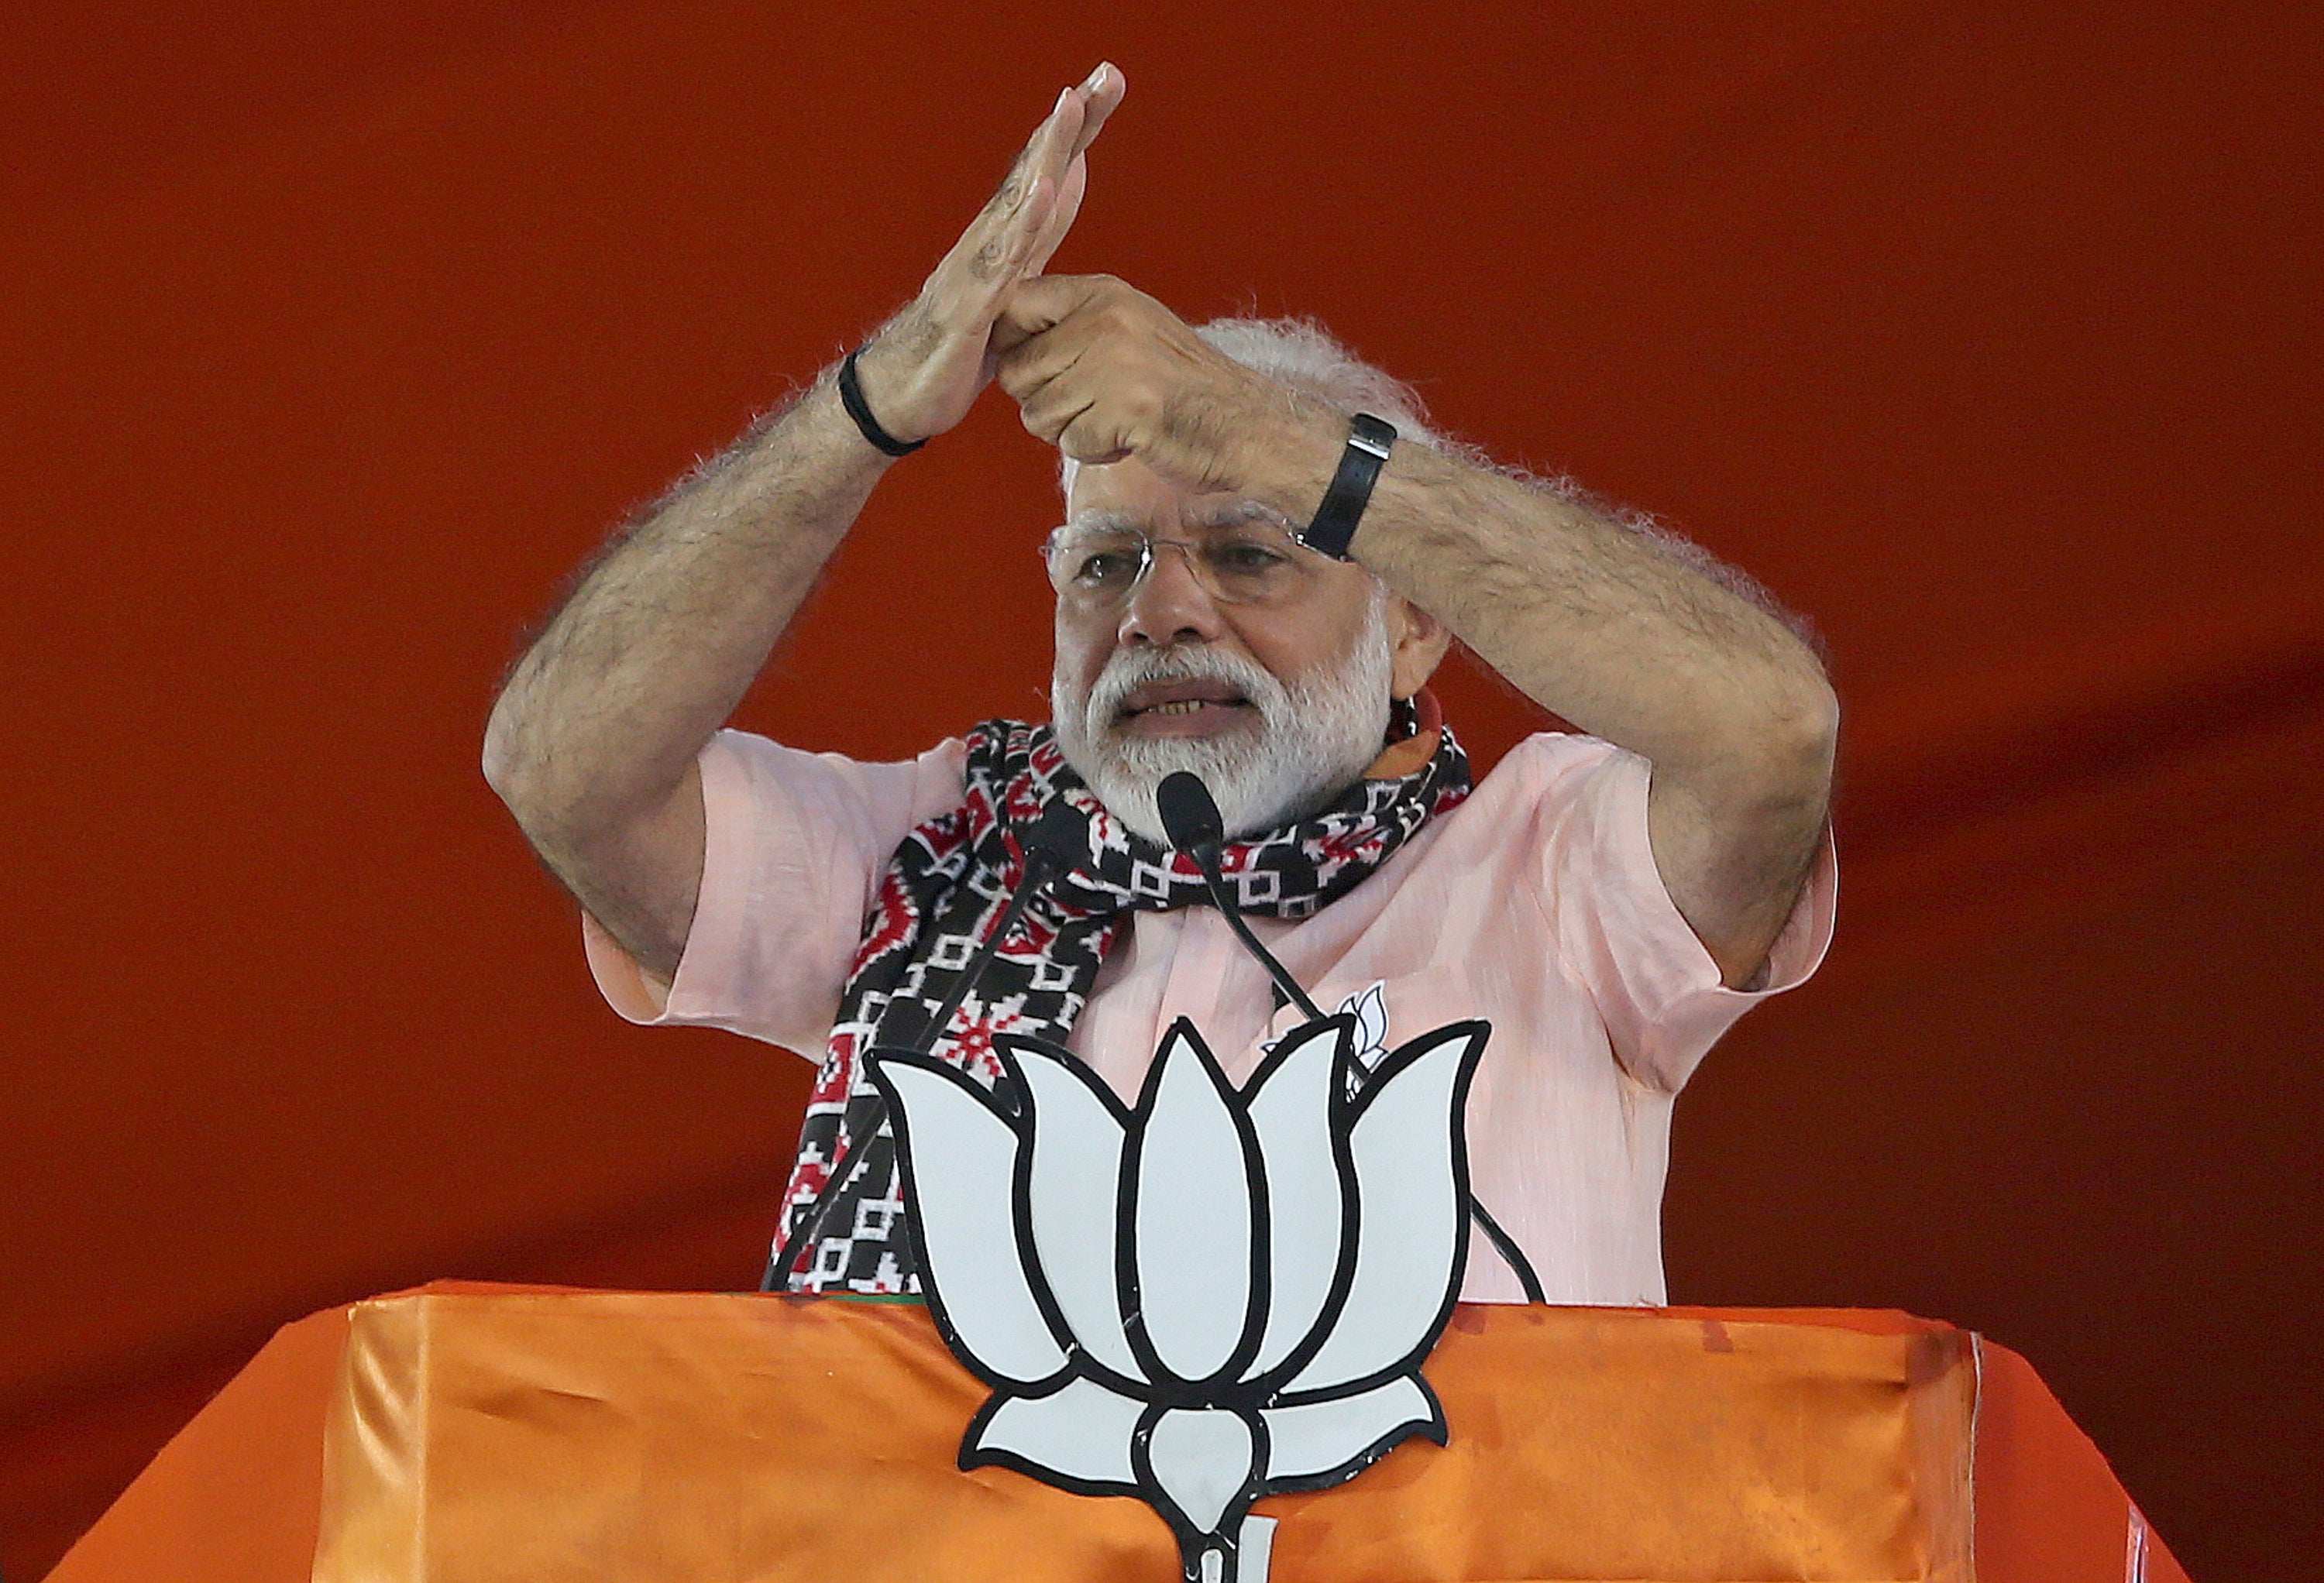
<point x="1246" y="589"/>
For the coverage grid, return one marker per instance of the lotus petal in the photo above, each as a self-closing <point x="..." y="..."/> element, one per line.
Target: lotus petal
<point x="1201" y="1457"/>
<point x="1080" y="1433"/>
<point x="1290" y="1107"/>
<point x="1192" y="1220"/>
<point x="1346" y="1434"/>
<point x="960" y="1157"/>
<point x="1076" y="1170"/>
<point x="1409" y="1207"/>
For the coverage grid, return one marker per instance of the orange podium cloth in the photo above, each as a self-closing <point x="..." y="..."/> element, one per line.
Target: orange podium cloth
<point x="480" y="1434"/>
<point x="715" y="1439"/>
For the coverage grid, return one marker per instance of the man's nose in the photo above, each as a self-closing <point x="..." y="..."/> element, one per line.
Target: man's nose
<point x="1169" y="605"/>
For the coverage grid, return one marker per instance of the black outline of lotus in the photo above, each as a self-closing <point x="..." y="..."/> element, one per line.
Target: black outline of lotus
<point x="1292" y="1397"/>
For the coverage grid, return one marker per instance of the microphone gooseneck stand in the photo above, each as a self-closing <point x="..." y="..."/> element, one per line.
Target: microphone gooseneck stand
<point x="1189" y="818"/>
<point x="1056" y="844"/>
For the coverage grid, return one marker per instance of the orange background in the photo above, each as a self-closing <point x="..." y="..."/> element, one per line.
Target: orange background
<point x="1985" y="334"/>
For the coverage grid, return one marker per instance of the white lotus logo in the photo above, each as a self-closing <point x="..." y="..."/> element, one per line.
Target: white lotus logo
<point x="1211" y="1297"/>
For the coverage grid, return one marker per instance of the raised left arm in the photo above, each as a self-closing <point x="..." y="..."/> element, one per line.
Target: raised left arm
<point x="1622" y="633"/>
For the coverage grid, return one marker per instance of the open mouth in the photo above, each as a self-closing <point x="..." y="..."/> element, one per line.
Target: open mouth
<point x="1187" y="701"/>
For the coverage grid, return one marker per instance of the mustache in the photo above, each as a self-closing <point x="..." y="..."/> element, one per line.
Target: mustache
<point x="1129" y="670"/>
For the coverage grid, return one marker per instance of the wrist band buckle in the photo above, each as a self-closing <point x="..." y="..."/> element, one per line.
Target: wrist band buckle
<point x="1369" y="440"/>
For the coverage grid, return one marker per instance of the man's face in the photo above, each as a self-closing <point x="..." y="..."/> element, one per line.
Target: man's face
<point x="1277" y="694"/>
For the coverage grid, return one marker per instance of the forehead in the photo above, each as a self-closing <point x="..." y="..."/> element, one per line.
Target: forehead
<point x="1129" y="493"/>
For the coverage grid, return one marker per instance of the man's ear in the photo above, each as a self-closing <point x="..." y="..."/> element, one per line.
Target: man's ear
<point x="1417" y="645"/>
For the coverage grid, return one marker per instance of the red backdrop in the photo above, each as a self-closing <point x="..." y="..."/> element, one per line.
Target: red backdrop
<point x="1984" y="335"/>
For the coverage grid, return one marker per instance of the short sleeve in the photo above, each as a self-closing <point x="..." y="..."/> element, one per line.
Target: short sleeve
<point x="794" y="847"/>
<point x="1654" y="984"/>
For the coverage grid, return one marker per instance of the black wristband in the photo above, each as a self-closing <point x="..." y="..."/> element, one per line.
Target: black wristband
<point x="851" y="396"/>
<point x="1369" y="440"/>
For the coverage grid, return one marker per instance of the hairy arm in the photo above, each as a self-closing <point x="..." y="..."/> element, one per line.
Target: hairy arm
<point x="594" y="739"/>
<point x="1637" y="642"/>
<point x="1631" y="638"/>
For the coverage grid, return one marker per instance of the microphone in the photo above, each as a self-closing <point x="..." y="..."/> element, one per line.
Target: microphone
<point x="1189" y="818"/>
<point x="1056" y="844"/>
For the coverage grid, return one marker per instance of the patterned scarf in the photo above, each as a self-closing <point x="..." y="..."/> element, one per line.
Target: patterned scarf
<point x="944" y="891"/>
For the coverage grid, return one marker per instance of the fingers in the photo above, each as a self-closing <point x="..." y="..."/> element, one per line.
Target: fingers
<point x="942" y="341"/>
<point x="1042" y="302"/>
<point x="1006" y="252"/>
<point x="1022" y="226"/>
<point x="1058" y="138"/>
<point x="1055" y="144"/>
<point x="1061" y="150"/>
<point x="1074" y="420"/>
<point x="1073" y="384"/>
<point x="1055" y="154"/>
<point x="1100" y="93"/>
<point x="1015" y="215"/>
<point x="1060" y="219"/>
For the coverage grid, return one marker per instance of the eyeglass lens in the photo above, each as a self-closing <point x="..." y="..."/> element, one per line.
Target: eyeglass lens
<point x="1241" y="563"/>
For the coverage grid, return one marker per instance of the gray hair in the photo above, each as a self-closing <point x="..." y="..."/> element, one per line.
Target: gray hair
<point x="1303" y="354"/>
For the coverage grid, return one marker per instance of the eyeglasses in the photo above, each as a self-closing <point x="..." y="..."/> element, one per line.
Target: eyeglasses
<point x="1251" y="559"/>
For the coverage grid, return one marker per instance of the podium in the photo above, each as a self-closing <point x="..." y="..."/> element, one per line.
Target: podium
<point x="466" y="1433"/>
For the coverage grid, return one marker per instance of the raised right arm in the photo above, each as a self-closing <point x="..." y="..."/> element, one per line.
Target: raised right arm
<point x="594" y="741"/>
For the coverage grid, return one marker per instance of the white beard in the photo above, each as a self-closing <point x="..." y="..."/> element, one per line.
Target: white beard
<point x="1315" y="736"/>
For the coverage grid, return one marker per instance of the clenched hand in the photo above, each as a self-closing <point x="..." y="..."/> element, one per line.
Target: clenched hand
<point x="1101" y="370"/>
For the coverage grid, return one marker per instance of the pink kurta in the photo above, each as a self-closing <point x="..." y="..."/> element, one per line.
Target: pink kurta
<point x="1535" y="904"/>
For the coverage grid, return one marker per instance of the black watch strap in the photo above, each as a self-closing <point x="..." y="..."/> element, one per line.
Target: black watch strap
<point x="1369" y="440"/>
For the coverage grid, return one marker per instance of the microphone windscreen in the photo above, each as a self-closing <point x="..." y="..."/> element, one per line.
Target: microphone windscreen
<point x="1060" y="834"/>
<point x="1189" y="815"/>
